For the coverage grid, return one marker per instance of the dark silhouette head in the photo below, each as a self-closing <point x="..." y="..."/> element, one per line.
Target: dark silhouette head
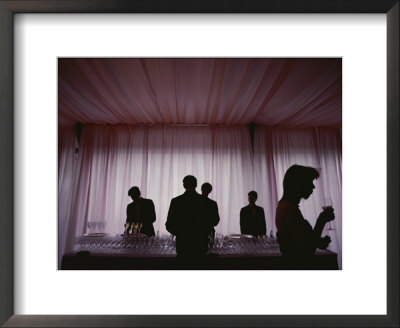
<point x="134" y="192"/>
<point x="206" y="189"/>
<point x="298" y="183"/>
<point x="252" y="196"/>
<point x="189" y="182"/>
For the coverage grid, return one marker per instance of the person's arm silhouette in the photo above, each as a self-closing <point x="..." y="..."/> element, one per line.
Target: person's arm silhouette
<point x="263" y="230"/>
<point x="151" y="213"/>
<point x="129" y="214"/>
<point x="324" y="242"/>
<point x="243" y="223"/>
<point x="216" y="215"/>
<point x="171" y="223"/>
<point x="324" y="217"/>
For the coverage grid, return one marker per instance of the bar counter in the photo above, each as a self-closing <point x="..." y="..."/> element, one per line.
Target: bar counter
<point x="143" y="253"/>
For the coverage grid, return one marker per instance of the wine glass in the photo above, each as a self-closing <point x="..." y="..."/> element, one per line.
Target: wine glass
<point x="327" y="203"/>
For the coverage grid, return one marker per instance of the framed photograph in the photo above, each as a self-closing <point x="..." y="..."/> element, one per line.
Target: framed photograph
<point x="31" y="280"/>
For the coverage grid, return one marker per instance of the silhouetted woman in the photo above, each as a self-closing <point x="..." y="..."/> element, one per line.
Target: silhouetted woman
<point x="296" y="237"/>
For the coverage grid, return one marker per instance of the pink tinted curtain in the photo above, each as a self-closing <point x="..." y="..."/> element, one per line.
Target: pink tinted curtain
<point x="275" y="150"/>
<point x="112" y="159"/>
<point x="66" y="181"/>
<point x="93" y="184"/>
<point x="293" y="92"/>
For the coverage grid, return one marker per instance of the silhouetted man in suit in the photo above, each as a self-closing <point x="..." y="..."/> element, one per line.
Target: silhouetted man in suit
<point x="206" y="189"/>
<point x="141" y="210"/>
<point x="190" y="218"/>
<point x="252" y="217"/>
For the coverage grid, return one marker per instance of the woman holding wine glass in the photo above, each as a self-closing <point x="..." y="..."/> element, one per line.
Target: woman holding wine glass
<point x="297" y="239"/>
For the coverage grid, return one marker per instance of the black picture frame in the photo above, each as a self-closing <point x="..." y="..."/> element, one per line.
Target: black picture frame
<point x="10" y="7"/>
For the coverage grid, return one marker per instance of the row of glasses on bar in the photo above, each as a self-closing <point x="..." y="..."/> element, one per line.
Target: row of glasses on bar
<point x="261" y="245"/>
<point x="165" y="245"/>
<point x="122" y="245"/>
<point x="149" y="245"/>
<point x="93" y="244"/>
<point x="153" y="245"/>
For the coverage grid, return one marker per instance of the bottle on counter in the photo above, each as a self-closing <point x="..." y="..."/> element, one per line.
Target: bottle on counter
<point x="126" y="231"/>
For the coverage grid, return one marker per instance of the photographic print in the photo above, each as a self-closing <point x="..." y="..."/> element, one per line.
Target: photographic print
<point x="200" y="163"/>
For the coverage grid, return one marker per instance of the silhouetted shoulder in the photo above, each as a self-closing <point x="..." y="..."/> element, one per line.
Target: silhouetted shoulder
<point x="211" y="202"/>
<point x="287" y="207"/>
<point x="177" y="198"/>
<point x="286" y="212"/>
<point x="147" y="200"/>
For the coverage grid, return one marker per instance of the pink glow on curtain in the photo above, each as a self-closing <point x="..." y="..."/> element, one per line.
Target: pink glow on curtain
<point x="275" y="150"/>
<point x="93" y="184"/>
<point x="112" y="159"/>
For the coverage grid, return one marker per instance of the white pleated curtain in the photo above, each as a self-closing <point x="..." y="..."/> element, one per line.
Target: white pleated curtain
<point x="275" y="150"/>
<point x="94" y="182"/>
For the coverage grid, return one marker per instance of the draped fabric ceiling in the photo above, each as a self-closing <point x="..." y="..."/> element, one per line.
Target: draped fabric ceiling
<point x="274" y="92"/>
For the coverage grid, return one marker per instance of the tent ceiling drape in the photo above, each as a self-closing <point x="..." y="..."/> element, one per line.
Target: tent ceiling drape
<point x="273" y="92"/>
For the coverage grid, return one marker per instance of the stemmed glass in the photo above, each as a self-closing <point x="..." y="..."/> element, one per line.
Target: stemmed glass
<point x="220" y="240"/>
<point x="327" y="203"/>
